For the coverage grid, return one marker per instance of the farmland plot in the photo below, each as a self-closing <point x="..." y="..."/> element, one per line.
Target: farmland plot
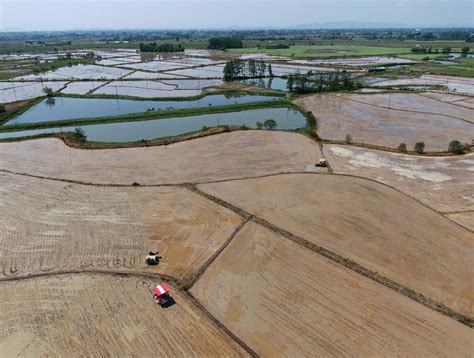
<point x="49" y="226"/>
<point x="442" y="183"/>
<point x="284" y="300"/>
<point x="357" y="61"/>
<point x="96" y="315"/>
<point x="225" y="156"/>
<point x="201" y="72"/>
<point x="362" y="220"/>
<point x="147" y="89"/>
<point x="340" y="115"/>
<point x="463" y="85"/>
<point x="17" y="91"/>
<point x="79" y="72"/>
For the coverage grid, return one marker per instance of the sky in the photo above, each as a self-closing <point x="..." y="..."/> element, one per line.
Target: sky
<point x="31" y="15"/>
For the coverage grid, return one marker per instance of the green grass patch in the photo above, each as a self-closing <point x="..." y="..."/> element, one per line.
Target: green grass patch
<point x="327" y="51"/>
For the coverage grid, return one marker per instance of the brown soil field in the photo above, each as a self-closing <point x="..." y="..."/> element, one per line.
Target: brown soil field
<point x="108" y="316"/>
<point x="465" y="219"/>
<point x="375" y="226"/>
<point x="339" y="115"/>
<point x="225" y="156"/>
<point x="443" y="183"/>
<point x="413" y="102"/>
<point x="284" y="300"/>
<point x="447" y="97"/>
<point x="48" y="226"/>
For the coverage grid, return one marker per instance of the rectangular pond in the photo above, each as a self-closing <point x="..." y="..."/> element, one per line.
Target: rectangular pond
<point x="286" y="118"/>
<point x="275" y="83"/>
<point x="58" y="108"/>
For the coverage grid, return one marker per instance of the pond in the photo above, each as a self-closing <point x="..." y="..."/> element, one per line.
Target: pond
<point x="56" y="108"/>
<point x="275" y="83"/>
<point x="134" y="131"/>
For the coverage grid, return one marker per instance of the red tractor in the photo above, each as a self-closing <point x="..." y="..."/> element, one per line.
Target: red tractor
<point x="161" y="295"/>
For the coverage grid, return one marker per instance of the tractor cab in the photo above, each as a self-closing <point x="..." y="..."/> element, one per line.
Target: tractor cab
<point x="322" y="163"/>
<point x="161" y="295"/>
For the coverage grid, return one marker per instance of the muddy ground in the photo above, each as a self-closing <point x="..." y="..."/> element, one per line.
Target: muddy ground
<point x="285" y="300"/>
<point x="443" y="183"/>
<point x="226" y="156"/>
<point x="409" y="118"/>
<point x="49" y="226"/>
<point x="369" y="223"/>
<point x="95" y="315"/>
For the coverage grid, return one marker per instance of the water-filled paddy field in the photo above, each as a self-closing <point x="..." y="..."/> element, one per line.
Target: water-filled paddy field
<point x="134" y="131"/>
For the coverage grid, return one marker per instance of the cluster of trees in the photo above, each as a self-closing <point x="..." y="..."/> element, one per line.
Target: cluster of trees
<point x="455" y="147"/>
<point x="267" y="124"/>
<point x="239" y="69"/>
<point x="154" y="47"/>
<point x="327" y="82"/>
<point x="222" y="43"/>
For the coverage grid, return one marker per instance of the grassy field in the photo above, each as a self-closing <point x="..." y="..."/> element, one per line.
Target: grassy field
<point x="463" y="67"/>
<point x="322" y="51"/>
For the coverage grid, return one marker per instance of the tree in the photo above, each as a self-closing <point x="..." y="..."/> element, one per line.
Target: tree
<point x="419" y="147"/>
<point x="270" y="124"/>
<point x="456" y="147"/>
<point x="446" y="50"/>
<point x="270" y="70"/>
<point x="80" y="135"/>
<point x="348" y="139"/>
<point x="222" y="43"/>
<point x="48" y="91"/>
<point x="402" y="147"/>
<point x="2" y="108"/>
<point x="259" y="125"/>
<point x="465" y="50"/>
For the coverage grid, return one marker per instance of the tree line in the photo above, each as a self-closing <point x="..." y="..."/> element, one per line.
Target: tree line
<point x="222" y="43"/>
<point x="322" y="82"/>
<point x="154" y="47"/>
<point x="240" y="69"/>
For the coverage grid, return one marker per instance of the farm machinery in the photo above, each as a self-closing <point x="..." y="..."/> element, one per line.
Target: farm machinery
<point x="322" y="163"/>
<point x="162" y="296"/>
<point x="153" y="258"/>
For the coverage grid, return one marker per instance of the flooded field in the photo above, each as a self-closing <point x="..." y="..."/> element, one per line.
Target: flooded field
<point x="17" y="91"/>
<point x="369" y="118"/>
<point x="79" y="72"/>
<point x="68" y="108"/>
<point x="151" y="129"/>
<point x="458" y="84"/>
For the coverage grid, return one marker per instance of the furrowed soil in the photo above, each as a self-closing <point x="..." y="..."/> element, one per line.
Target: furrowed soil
<point x="225" y="156"/>
<point x="284" y="300"/>
<point x="371" y="224"/>
<point x="102" y="315"/>
<point x="465" y="219"/>
<point x="411" y="118"/>
<point x="48" y="226"/>
<point x="443" y="183"/>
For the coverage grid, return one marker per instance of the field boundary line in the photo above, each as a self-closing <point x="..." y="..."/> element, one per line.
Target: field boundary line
<point x="351" y="265"/>
<point x="454" y="103"/>
<point x="154" y="276"/>
<point x="219" y="324"/>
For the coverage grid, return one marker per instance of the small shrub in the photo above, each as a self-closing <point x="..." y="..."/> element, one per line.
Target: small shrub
<point x="259" y="125"/>
<point x="48" y="91"/>
<point x="402" y="147"/>
<point x="419" y="147"/>
<point x="456" y="147"/>
<point x="204" y="128"/>
<point x="79" y="134"/>
<point x="2" y="108"/>
<point x="348" y="139"/>
<point x="243" y="126"/>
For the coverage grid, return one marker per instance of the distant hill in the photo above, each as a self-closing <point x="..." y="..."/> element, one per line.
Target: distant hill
<point x="365" y="25"/>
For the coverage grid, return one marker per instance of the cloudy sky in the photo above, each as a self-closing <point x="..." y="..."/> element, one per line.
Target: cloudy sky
<point x="159" y="14"/>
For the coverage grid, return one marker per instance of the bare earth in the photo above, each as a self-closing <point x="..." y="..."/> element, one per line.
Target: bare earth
<point x="339" y="115"/>
<point x="48" y="226"/>
<point x="94" y="315"/>
<point x="225" y="156"/>
<point x="285" y="300"/>
<point x="443" y="183"/>
<point x="465" y="219"/>
<point x="369" y="223"/>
